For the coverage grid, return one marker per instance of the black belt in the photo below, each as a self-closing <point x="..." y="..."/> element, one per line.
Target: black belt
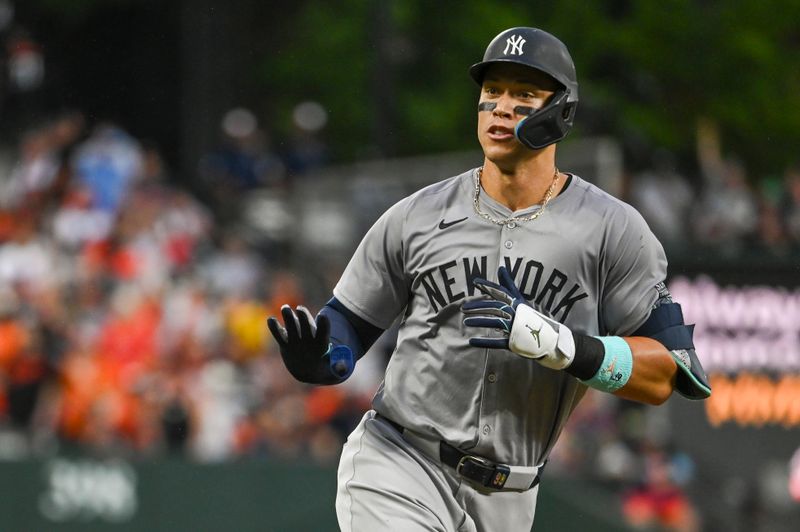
<point x="477" y="469"/>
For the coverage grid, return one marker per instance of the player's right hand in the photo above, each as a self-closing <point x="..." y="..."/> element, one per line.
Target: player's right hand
<point x="526" y="331"/>
<point x="306" y="349"/>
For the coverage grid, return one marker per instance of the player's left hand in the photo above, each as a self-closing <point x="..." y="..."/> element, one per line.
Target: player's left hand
<point x="527" y="332"/>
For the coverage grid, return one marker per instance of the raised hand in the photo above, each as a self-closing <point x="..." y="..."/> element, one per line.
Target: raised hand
<point x="306" y="350"/>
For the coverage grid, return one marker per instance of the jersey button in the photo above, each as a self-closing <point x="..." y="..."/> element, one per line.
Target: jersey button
<point x="486" y="429"/>
<point x="492" y="377"/>
<point x="509" y="244"/>
<point x="511" y="225"/>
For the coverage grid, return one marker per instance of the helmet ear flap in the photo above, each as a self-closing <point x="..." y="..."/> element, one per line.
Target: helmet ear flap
<point x="549" y="124"/>
<point x="569" y="113"/>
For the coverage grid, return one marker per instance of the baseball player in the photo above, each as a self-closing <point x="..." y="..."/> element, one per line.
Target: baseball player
<point x="486" y="372"/>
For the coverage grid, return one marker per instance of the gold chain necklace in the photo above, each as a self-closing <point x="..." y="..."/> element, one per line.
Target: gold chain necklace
<point x="514" y="219"/>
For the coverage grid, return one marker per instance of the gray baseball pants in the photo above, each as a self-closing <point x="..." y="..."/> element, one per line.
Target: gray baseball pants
<point x="386" y="484"/>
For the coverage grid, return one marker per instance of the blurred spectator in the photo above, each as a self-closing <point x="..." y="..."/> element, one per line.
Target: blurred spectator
<point x="23" y="75"/>
<point x="306" y="150"/>
<point x="107" y="164"/>
<point x="659" y="502"/>
<point x="726" y="214"/>
<point x="183" y="228"/>
<point x="26" y="372"/>
<point x="244" y="324"/>
<point x="127" y="340"/>
<point x="220" y="406"/>
<point x="190" y="316"/>
<point x="176" y="424"/>
<point x="34" y="172"/>
<point x="40" y="170"/>
<point x="772" y="236"/>
<point x="25" y="62"/>
<point x="285" y="289"/>
<point x="66" y="133"/>
<point x="178" y="224"/>
<point x="243" y="161"/>
<point x="77" y="222"/>
<point x="15" y="340"/>
<point x="28" y="260"/>
<point x="664" y="198"/>
<point x="234" y="270"/>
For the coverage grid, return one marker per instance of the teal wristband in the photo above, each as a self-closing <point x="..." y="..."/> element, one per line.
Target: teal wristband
<point x="617" y="365"/>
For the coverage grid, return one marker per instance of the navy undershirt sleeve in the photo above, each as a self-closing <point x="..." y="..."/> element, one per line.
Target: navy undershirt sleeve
<point x="350" y="330"/>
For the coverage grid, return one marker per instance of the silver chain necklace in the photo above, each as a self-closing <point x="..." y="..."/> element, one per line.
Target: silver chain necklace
<point x="514" y="219"/>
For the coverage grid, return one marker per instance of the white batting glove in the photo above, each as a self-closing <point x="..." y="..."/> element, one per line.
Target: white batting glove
<point x="536" y="336"/>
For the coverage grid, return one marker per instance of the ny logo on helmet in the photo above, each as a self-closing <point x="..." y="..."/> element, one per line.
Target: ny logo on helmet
<point x="515" y="42"/>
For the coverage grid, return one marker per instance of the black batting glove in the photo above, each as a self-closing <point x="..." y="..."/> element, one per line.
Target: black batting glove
<point x="306" y="349"/>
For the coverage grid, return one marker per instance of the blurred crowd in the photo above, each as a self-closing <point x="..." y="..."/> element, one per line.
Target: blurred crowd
<point x="131" y="321"/>
<point x="722" y="208"/>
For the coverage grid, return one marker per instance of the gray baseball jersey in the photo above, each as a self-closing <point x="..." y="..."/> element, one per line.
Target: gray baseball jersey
<point x="589" y="261"/>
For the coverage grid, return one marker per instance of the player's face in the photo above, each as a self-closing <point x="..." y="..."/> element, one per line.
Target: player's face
<point x="509" y="86"/>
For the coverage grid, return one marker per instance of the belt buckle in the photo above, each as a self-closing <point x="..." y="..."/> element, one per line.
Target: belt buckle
<point x="479" y="459"/>
<point x="495" y="477"/>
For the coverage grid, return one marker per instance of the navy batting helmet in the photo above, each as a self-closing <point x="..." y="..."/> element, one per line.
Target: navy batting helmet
<point x="537" y="49"/>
